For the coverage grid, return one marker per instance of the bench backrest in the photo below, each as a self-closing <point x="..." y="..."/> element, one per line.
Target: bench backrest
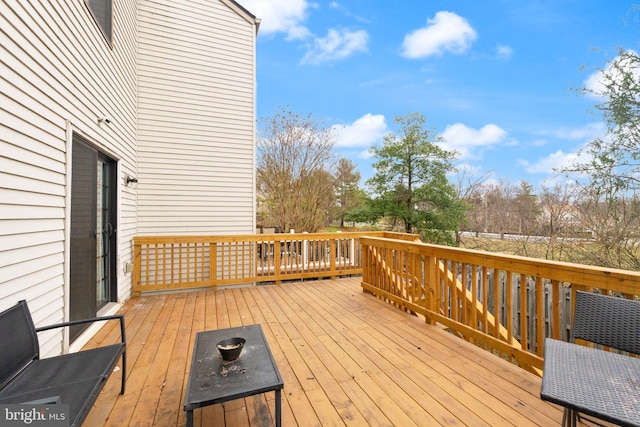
<point x="609" y="321"/>
<point x="19" y="341"/>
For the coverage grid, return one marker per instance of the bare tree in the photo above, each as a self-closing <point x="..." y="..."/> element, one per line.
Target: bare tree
<point x="559" y="218"/>
<point x="317" y="200"/>
<point x="527" y="209"/>
<point x="500" y="216"/>
<point x="527" y="212"/>
<point x="469" y="191"/>
<point x="612" y="222"/>
<point x="295" y="153"/>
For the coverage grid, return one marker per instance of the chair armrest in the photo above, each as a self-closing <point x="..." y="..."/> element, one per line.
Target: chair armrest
<point x="119" y="317"/>
<point x="51" y="400"/>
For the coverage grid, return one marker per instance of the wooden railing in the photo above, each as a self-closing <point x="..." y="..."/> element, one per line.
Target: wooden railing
<point x="505" y="304"/>
<point x="182" y="262"/>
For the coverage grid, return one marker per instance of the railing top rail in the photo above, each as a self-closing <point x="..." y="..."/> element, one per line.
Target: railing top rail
<point x="587" y="275"/>
<point x="146" y="240"/>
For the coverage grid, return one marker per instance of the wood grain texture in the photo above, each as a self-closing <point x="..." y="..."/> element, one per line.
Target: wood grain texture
<point x="346" y="357"/>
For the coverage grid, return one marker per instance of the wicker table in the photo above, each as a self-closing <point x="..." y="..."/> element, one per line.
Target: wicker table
<point x="212" y="381"/>
<point x="594" y="382"/>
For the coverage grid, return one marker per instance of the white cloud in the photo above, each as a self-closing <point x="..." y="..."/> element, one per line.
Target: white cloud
<point x="553" y="161"/>
<point x="595" y="83"/>
<point x="376" y="82"/>
<point x="588" y="132"/>
<point x="280" y="16"/>
<point x="365" y="154"/>
<point x="538" y="142"/>
<point x="504" y="52"/>
<point x="336" y="45"/>
<point x="471" y="172"/>
<point x="299" y="32"/>
<point x="560" y="160"/>
<point x="364" y="132"/>
<point x="445" y="32"/>
<point x="467" y="140"/>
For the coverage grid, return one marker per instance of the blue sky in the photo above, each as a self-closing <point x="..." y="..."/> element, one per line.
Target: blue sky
<point x="495" y="78"/>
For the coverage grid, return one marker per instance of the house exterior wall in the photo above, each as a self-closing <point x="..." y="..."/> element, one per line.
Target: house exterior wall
<point x="196" y="118"/>
<point x="58" y="75"/>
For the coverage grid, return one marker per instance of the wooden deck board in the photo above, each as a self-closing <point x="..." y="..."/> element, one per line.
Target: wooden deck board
<point x="346" y="357"/>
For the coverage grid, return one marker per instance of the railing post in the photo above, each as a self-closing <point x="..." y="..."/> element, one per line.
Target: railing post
<point x="431" y="265"/>
<point x="254" y="259"/>
<point x="137" y="268"/>
<point x="352" y="251"/>
<point x="540" y="333"/>
<point x="332" y="257"/>
<point x="305" y="253"/>
<point x="524" y="332"/>
<point x="366" y="264"/>
<point x="277" y="248"/>
<point x="555" y="309"/>
<point x="213" y="265"/>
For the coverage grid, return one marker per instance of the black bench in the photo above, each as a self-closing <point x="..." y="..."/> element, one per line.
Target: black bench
<point x="74" y="379"/>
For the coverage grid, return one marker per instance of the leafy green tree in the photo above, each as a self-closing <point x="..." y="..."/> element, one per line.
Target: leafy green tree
<point x="410" y="184"/>
<point x="346" y="181"/>
<point x="363" y="211"/>
<point x="609" y="205"/>
<point x="614" y="161"/>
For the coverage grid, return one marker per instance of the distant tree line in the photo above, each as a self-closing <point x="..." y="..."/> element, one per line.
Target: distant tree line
<point x="594" y="217"/>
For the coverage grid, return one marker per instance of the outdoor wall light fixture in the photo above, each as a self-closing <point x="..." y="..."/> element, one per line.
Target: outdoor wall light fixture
<point x="130" y="179"/>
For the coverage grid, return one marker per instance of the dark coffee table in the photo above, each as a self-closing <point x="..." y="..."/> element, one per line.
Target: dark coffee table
<point x="213" y="381"/>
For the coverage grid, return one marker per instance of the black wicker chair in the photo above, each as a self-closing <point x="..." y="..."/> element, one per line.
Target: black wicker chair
<point x="606" y="321"/>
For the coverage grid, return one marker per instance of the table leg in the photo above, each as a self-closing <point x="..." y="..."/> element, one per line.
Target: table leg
<point x="570" y="418"/>
<point x="278" y="409"/>
<point x="574" y="418"/>
<point x="190" y="418"/>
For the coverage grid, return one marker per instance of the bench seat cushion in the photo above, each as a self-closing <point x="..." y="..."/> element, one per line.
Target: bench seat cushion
<point x="77" y="376"/>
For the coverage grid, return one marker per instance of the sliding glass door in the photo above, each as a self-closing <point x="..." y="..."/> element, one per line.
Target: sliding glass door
<point x="93" y="232"/>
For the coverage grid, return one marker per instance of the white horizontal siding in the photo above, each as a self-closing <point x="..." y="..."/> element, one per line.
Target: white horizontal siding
<point x="189" y="97"/>
<point x="56" y="69"/>
<point x="196" y="118"/>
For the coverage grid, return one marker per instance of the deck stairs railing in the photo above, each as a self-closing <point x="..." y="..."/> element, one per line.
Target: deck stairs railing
<point x="505" y="304"/>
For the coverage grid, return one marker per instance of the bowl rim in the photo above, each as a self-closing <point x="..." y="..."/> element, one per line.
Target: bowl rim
<point x="237" y="341"/>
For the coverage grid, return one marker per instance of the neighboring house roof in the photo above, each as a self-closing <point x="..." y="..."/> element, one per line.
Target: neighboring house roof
<point x="243" y="12"/>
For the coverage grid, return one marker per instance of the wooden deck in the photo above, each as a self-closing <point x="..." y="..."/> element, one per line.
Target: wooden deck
<point x="345" y="356"/>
